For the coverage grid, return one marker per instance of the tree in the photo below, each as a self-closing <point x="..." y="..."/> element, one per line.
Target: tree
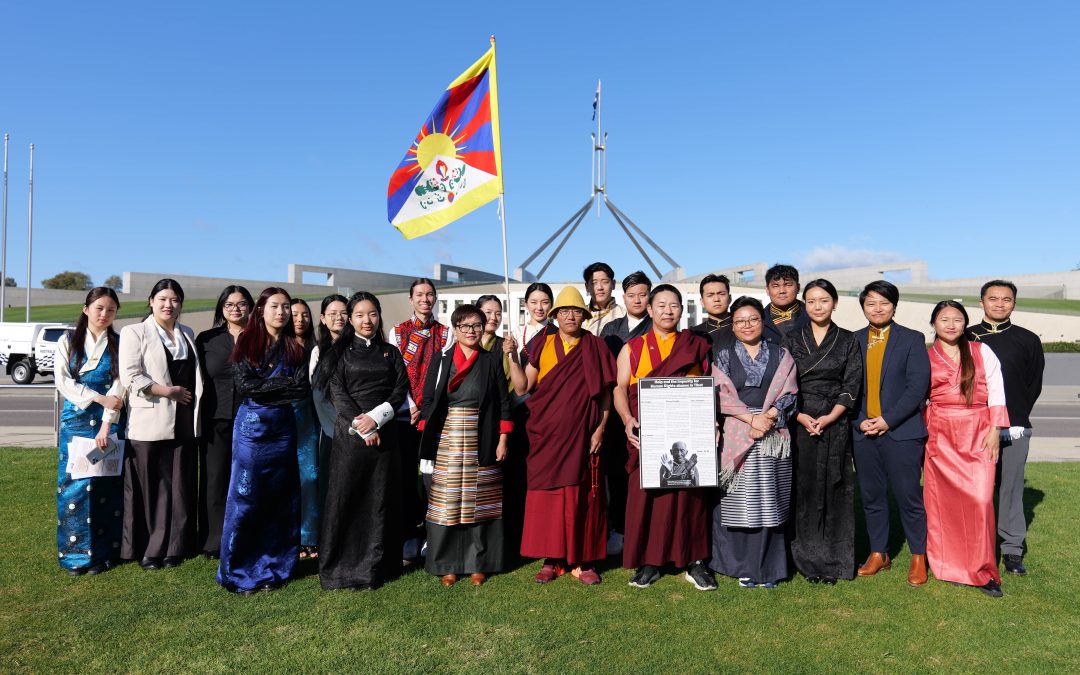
<point x="114" y="282"/>
<point x="10" y="282"/>
<point x="69" y="281"/>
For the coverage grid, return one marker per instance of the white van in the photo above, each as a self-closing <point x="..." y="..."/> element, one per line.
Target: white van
<point x="27" y="349"/>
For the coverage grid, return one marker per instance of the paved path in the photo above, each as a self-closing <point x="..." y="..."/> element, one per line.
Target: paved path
<point x="26" y="414"/>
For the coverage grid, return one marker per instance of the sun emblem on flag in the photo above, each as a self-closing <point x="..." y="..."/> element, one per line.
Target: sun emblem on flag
<point x="446" y="182"/>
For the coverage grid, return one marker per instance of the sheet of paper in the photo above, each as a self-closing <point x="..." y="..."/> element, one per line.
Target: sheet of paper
<point x="678" y="432"/>
<point x="79" y="466"/>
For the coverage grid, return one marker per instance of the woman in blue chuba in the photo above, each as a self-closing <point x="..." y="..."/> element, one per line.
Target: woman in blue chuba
<point x="89" y="510"/>
<point x="260" y="541"/>
<point x="307" y="439"/>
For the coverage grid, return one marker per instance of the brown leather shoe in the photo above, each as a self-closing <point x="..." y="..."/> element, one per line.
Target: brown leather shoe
<point x="874" y="564"/>
<point x="478" y="578"/>
<point x="916" y="575"/>
<point x="449" y="580"/>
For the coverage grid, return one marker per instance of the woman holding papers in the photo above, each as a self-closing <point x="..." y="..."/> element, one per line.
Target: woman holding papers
<point x="261" y="539"/>
<point x="365" y="378"/>
<point x="88" y="510"/>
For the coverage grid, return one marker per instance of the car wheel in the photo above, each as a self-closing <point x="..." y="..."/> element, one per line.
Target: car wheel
<point x="23" y="372"/>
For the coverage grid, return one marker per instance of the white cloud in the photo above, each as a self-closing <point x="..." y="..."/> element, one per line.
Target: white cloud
<point x="837" y="256"/>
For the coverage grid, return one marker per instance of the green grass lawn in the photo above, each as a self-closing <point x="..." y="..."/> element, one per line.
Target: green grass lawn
<point x="1049" y="305"/>
<point x="180" y="620"/>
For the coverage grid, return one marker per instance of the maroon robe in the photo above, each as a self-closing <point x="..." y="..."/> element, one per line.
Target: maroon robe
<point x="565" y="514"/>
<point x="665" y="526"/>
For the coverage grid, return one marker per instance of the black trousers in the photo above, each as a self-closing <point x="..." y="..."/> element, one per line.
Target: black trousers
<point x="159" y="499"/>
<point x="215" y="465"/>
<point x="412" y="505"/>
<point x="880" y="463"/>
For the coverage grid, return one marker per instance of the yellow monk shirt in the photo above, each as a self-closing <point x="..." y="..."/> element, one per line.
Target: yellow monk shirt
<point x="875" y="355"/>
<point x="548" y="358"/>
<point x="645" y="365"/>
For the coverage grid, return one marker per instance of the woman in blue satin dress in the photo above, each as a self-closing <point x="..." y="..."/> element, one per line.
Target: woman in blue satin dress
<point x="89" y="510"/>
<point x="260" y="541"/>
<point x="307" y="440"/>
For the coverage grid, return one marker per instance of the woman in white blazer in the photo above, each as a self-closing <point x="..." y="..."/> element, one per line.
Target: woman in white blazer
<point x="159" y="370"/>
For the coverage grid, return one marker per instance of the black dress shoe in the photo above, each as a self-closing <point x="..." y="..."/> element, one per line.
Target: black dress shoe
<point x="814" y="579"/>
<point x="1014" y="564"/>
<point x="828" y="581"/>
<point x="97" y="569"/>
<point x="246" y="591"/>
<point x="172" y="561"/>
<point x="212" y="555"/>
<point x="150" y="563"/>
<point x="991" y="588"/>
<point x="78" y="572"/>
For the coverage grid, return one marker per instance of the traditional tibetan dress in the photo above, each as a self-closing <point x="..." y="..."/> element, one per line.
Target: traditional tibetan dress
<point x="260" y="540"/>
<point x="748" y="533"/>
<point x="88" y="510"/>
<point x="958" y="480"/>
<point x="829" y="374"/>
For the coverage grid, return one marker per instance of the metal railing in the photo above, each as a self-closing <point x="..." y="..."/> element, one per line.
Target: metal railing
<point x="57" y="404"/>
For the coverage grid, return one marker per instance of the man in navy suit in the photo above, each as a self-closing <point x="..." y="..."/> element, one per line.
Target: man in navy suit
<point x="889" y="432"/>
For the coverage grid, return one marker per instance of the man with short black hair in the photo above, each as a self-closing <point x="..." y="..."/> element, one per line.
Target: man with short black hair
<point x="1022" y="362"/>
<point x="785" y="312"/>
<point x="715" y="292"/>
<point x="636" y="288"/>
<point x="600" y="284"/>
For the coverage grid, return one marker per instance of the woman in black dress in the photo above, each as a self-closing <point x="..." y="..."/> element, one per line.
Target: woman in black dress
<point x="359" y="545"/>
<point x="830" y="373"/>
<point x="214" y="346"/>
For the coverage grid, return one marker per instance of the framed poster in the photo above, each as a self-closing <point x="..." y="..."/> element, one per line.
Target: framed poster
<point x="678" y="432"/>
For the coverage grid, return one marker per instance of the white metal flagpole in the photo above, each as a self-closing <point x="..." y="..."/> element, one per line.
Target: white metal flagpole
<point x="30" y="233"/>
<point x="3" y="238"/>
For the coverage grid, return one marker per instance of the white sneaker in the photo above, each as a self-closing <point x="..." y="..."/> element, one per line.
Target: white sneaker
<point x="614" y="543"/>
<point x="423" y="549"/>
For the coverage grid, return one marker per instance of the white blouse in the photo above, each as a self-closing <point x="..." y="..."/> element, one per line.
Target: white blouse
<point x="79" y="394"/>
<point x="178" y="349"/>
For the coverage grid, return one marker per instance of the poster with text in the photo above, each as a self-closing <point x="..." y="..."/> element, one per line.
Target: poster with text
<point x="678" y="432"/>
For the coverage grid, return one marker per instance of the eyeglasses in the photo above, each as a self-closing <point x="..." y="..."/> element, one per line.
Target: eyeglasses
<point x="470" y="327"/>
<point x="242" y="305"/>
<point x="746" y="323"/>
<point x="570" y="311"/>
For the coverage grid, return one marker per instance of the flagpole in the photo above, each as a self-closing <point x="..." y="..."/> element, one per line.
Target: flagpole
<point x="3" y="237"/>
<point x="511" y="320"/>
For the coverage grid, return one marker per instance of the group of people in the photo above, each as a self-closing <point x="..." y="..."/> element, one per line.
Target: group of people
<point x="263" y="441"/>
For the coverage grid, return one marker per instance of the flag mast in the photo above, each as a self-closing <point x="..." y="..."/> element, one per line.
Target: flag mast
<point x="511" y="312"/>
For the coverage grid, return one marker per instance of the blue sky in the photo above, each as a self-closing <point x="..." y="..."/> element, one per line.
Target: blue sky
<point x="230" y="139"/>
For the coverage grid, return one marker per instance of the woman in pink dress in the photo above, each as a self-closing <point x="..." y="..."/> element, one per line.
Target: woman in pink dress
<point x="967" y="408"/>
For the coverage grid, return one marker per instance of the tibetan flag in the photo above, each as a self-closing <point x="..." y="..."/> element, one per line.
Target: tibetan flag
<point x="454" y="163"/>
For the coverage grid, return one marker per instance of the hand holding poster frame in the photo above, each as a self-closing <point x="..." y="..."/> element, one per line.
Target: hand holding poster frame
<point x="677" y="417"/>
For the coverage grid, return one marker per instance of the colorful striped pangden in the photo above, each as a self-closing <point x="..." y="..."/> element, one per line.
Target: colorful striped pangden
<point x="462" y="492"/>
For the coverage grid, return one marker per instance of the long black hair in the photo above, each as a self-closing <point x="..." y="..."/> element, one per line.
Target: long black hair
<point x="77" y="337"/>
<point x="307" y="340"/>
<point x="328" y="361"/>
<point x="323" y="339"/>
<point x="219" y="309"/>
<point x="967" y="363"/>
<point x="170" y="284"/>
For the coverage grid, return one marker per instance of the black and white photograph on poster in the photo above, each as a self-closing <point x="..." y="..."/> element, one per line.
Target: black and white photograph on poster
<point x="677" y="433"/>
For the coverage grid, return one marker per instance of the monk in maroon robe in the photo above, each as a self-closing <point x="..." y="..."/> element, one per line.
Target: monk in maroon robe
<point x="662" y="526"/>
<point x="570" y="374"/>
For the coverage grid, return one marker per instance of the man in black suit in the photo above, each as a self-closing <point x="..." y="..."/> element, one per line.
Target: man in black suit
<point x="785" y="312"/>
<point x="889" y="431"/>
<point x="636" y="288"/>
